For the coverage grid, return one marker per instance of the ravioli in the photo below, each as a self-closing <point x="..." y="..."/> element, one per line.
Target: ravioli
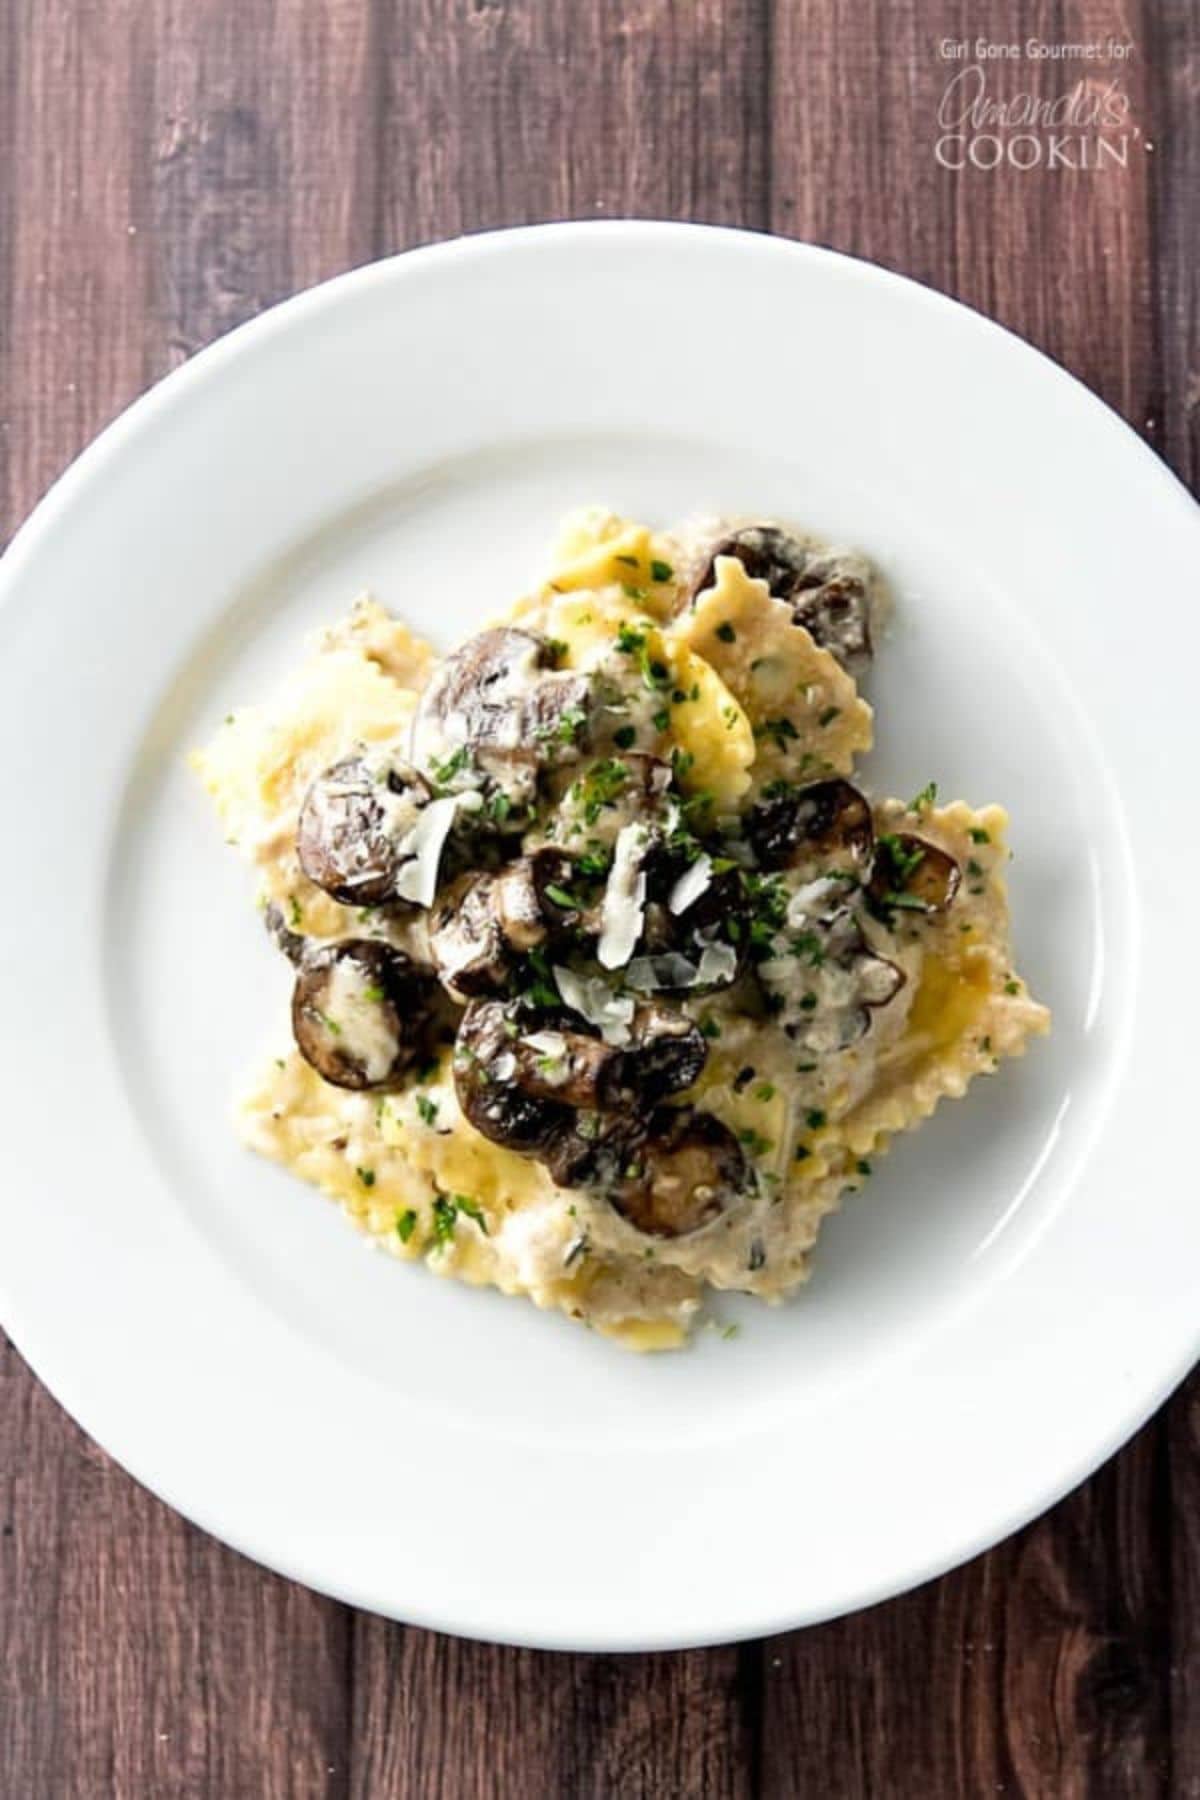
<point x="834" y="1010"/>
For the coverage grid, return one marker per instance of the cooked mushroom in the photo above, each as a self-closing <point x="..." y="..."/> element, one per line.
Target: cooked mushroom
<point x="485" y="1080"/>
<point x="821" y="979"/>
<point x="356" y="826"/>
<point x="910" y="874"/>
<point x="535" y="898"/>
<point x="666" y="1054"/>
<point x="495" y="713"/>
<point x="766" y="553"/>
<point x="836" y="612"/>
<point x="827" y="594"/>
<point x="687" y="1172"/>
<point x="826" y="826"/>
<point x="694" y="936"/>
<point x="481" y="922"/>
<point x="360" y="1012"/>
<point x="290" y="942"/>
<point x="465" y="940"/>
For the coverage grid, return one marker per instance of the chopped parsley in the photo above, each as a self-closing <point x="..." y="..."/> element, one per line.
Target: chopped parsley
<point x="406" y="1224"/>
<point x="863" y="1166"/>
<point x="725" y="632"/>
<point x="427" y="1109"/>
<point x="374" y="993"/>
<point x="624" y="737"/>
<point x="599" y="787"/>
<point x="781" y="730"/>
<point x="1012" y="987"/>
<point x="562" y="898"/>
<point x="660" y="571"/>
<point x="814" y="1118"/>
<point x="924" y="800"/>
<point x="297" y="917"/>
<point x="829" y="715"/>
<point x="366" y="1176"/>
<point x="444" y="772"/>
<point x="979" y="835"/>
<point x="764" y="1091"/>
<point x="661" y="719"/>
<point x="756" y="1145"/>
<point x="710" y="1026"/>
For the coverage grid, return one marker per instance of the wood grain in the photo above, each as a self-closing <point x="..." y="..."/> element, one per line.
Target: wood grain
<point x="168" y="169"/>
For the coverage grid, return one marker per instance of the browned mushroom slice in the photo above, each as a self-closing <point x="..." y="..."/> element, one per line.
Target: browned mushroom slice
<point x="356" y="823"/>
<point x="826" y="826"/>
<point x="360" y="1012"/>
<point x="534" y="897"/>
<point x="498" y="708"/>
<point x="822" y="980"/>
<point x="689" y="1170"/>
<point x="694" y="934"/>
<point x="465" y="940"/>
<point x="666" y="1055"/>
<point x="595" y="1149"/>
<point x="481" y="922"/>
<point x="485" y="1079"/>
<point x="828" y="597"/>
<point x="836" y="613"/>
<point x="290" y="942"/>
<point x="766" y="553"/>
<point x="910" y="874"/>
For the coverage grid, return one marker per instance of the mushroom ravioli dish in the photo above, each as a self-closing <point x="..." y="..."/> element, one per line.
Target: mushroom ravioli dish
<point x="609" y="980"/>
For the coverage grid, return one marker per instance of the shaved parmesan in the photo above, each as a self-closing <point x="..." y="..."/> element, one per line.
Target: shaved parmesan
<point x="594" y="1000"/>
<point x="623" y="911"/>
<point x="417" y="880"/>
<point x="694" y="881"/>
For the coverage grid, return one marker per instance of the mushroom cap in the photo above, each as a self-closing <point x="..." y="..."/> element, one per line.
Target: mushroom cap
<point x="496" y="712"/>
<point x="485" y="1067"/>
<point x="353" y="827"/>
<point x="687" y="1171"/>
<point x="912" y="875"/>
<point x="827" y="825"/>
<point x="827" y="595"/>
<point x="360" y="1012"/>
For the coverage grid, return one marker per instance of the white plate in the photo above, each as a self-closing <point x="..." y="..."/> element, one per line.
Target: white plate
<point x="1016" y="1289"/>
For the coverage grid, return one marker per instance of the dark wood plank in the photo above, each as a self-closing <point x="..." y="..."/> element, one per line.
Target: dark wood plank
<point x="1041" y="1669"/>
<point x="179" y="168"/>
<point x="1173" y="54"/>
<point x="443" y="1719"/>
<point x="508" y="112"/>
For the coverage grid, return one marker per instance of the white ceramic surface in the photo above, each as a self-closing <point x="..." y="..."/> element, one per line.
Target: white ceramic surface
<point x="1015" y="1290"/>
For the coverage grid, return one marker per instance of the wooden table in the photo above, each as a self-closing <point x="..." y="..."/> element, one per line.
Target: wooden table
<point x="167" y="169"/>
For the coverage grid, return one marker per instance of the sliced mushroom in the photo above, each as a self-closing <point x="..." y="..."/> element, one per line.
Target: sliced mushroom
<point x="697" y="948"/>
<point x="481" y="922"/>
<point x="687" y="1172"/>
<point x="595" y="1149"/>
<point x="836" y="613"/>
<point x="495" y="713"/>
<point x="666" y="1054"/>
<point x="910" y="874"/>
<point x="828" y="594"/>
<point x="355" y="828"/>
<point x="535" y="897"/>
<point x="290" y="942"/>
<point x="360" y="1012"/>
<point x="826" y="826"/>
<point x="485" y="1079"/>
<point x="766" y="553"/>
<point x="821" y="979"/>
